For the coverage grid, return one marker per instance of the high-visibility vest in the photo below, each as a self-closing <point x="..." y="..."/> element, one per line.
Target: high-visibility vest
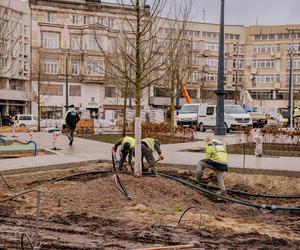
<point x="296" y="112"/>
<point x="216" y="151"/>
<point x="130" y="140"/>
<point x="150" y="143"/>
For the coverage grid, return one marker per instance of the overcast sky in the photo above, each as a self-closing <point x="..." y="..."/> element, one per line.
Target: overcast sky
<point x="247" y="11"/>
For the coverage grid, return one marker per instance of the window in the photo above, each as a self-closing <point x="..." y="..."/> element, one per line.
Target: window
<point x="16" y="85"/>
<point x="3" y="62"/>
<point x="75" y="67"/>
<point x="264" y="63"/>
<point x="263" y="95"/>
<point x="211" y="77"/>
<point x="50" y="40"/>
<point x="264" y="78"/>
<point x="212" y="46"/>
<point x="94" y="42"/>
<point x="195" y="60"/>
<point x="296" y="78"/>
<point x="110" y="92"/>
<point x="296" y="47"/>
<point x="25" y="118"/>
<point x="86" y="20"/>
<point x="194" y="76"/>
<point x="75" y="90"/>
<point x="75" y="19"/>
<point x="75" y="42"/>
<point x="192" y="93"/>
<point x="110" y="23"/>
<point x="50" y="17"/>
<point x="212" y="62"/>
<point x="296" y="63"/>
<point x="192" y="33"/>
<point x="50" y="66"/>
<point x="263" y="49"/>
<point x="52" y="89"/>
<point x="210" y="110"/>
<point x="50" y="112"/>
<point x="264" y="37"/>
<point x="95" y="68"/>
<point x="206" y="34"/>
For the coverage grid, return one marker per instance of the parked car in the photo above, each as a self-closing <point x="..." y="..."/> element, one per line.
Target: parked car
<point x="26" y="120"/>
<point x="188" y="115"/>
<point x="234" y="117"/>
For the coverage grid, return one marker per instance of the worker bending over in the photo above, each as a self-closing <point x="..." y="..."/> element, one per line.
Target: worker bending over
<point x="72" y="118"/>
<point x="296" y="116"/>
<point x="149" y="146"/>
<point x="127" y="148"/>
<point x="215" y="159"/>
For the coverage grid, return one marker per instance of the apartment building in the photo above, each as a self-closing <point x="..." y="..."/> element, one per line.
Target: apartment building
<point x="64" y="45"/>
<point x="14" y="58"/>
<point x="267" y="64"/>
<point x="201" y="78"/>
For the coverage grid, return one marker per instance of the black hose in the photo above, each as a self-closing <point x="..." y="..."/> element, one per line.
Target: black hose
<point x="245" y="203"/>
<point x="29" y="240"/>
<point x="233" y="191"/>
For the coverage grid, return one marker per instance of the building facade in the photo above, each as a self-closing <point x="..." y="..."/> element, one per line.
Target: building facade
<point x="64" y="49"/>
<point x="64" y="46"/>
<point x="14" y="58"/>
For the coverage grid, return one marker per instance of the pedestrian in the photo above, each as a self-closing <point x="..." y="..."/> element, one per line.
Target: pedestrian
<point x="296" y="116"/>
<point x="72" y="118"/>
<point x="127" y="149"/>
<point x="149" y="146"/>
<point x="215" y="159"/>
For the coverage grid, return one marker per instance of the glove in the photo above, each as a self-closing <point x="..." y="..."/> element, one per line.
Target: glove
<point x="161" y="157"/>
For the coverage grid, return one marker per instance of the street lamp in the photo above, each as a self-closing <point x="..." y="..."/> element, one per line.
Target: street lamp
<point x="220" y="126"/>
<point x="291" y="53"/>
<point x="67" y="80"/>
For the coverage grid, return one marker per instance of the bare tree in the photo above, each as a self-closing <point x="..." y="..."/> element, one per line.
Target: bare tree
<point x="176" y="48"/>
<point x="136" y="45"/>
<point x="10" y="29"/>
<point x="38" y="92"/>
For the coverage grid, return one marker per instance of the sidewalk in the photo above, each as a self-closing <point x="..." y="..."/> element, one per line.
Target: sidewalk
<point x="87" y="151"/>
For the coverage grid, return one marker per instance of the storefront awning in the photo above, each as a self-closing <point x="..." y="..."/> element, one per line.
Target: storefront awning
<point x="14" y="95"/>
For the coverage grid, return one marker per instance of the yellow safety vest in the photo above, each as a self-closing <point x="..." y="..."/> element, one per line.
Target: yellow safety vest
<point x="150" y="143"/>
<point x="296" y="112"/>
<point x="216" y="151"/>
<point x="130" y="140"/>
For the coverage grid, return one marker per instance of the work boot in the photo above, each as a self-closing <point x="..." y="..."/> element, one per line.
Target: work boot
<point x="223" y="193"/>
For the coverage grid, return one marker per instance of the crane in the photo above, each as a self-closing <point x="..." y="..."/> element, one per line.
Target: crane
<point x="185" y="92"/>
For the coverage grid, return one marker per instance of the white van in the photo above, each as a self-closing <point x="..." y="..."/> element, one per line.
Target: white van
<point x="188" y="115"/>
<point x="26" y="120"/>
<point x="234" y="116"/>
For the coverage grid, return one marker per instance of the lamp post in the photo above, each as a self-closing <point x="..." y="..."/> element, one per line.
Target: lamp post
<point x="290" y="105"/>
<point x="67" y="79"/>
<point x="220" y="126"/>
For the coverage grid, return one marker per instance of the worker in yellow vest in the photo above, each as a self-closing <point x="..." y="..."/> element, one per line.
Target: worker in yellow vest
<point x="215" y="159"/>
<point x="127" y="149"/>
<point x="149" y="146"/>
<point x="296" y="117"/>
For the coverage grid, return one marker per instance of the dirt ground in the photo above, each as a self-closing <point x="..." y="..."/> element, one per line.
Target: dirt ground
<point x="89" y="212"/>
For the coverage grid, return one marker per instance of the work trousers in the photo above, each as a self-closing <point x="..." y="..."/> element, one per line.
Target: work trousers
<point x="220" y="174"/>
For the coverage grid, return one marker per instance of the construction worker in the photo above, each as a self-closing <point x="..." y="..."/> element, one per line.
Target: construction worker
<point x="296" y="116"/>
<point x="72" y="118"/>
<point x="149" y="146"/>
<point x="127" y="148"/>
<point x="215" y="159"/>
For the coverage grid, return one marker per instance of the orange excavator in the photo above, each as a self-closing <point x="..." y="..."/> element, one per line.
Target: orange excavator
<point x="185" y="92"/>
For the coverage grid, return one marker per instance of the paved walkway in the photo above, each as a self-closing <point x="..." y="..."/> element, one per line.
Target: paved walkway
<point x="84" y="151"/>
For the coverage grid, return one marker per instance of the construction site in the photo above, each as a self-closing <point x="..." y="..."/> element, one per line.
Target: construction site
<point x="76" y="198"/>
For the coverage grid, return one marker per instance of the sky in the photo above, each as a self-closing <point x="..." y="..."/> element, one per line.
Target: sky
<point x="246" y="12"/>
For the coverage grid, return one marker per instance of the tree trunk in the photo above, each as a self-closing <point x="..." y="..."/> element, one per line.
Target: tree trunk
<point x="137" y="165"/>
<point x="39" y="103"/>
<point x="124" y="110"/>
<point x="172" y="107"/>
